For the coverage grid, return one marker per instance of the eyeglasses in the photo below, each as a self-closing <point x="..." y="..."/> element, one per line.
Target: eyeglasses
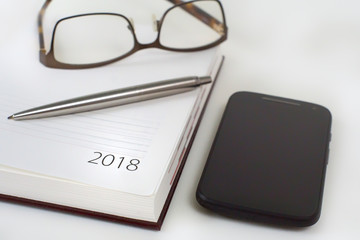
<point x="96" y="39"/>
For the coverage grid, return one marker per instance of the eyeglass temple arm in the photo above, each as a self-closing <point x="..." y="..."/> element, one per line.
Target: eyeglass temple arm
<point x="40" y="27"/>
<point x="202" y="16"/>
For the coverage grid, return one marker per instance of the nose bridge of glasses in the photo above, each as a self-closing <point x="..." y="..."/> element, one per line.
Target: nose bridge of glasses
<point x="146" y="32"/>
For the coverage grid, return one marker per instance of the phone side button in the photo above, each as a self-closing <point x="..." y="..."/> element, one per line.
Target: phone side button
<point x="327" y="156"/>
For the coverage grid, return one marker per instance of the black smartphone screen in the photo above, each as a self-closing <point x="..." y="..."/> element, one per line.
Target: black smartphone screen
<point x="268" y="160"/>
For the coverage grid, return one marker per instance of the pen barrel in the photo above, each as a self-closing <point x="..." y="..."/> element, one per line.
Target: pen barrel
<point x="114" y="98"/>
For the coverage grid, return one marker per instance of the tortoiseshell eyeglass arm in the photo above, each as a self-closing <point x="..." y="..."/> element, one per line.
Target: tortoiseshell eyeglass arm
<point x="203" y="16"/>
<point x="40" y="29"/>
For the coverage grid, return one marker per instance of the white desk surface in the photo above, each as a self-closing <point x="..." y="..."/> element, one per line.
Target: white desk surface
<point x="307" y="50"/>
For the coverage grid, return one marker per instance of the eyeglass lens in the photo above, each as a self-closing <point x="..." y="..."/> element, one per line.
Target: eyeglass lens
<point x="183" y="30"/>
<point x="92" y="38"/>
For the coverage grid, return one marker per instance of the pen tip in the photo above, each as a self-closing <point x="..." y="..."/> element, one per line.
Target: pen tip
<point x="11" y="117"/>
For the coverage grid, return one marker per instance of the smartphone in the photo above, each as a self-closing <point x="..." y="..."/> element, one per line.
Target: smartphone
<point x="268" y="160"/>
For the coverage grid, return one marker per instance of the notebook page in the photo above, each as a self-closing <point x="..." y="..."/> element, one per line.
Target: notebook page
<point x="121" y="147"/>
<point x="124" y="148"/>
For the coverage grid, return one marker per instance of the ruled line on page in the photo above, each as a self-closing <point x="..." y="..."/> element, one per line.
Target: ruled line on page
<point x="128" y="135"/>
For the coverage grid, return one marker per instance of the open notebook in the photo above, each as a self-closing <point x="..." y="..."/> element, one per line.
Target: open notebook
<point x="120" y="163"/>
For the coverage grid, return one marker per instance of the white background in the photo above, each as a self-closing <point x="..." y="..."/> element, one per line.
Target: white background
<point x="307" y="50"/>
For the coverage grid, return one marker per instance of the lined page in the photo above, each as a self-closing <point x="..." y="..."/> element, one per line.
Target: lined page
<point x="126" y="148"/>
<point x="123" y="148"/>
<point x="108" y="130"/>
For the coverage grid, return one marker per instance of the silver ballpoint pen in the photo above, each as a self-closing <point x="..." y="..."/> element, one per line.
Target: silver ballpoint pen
<point x="113" y="98"/>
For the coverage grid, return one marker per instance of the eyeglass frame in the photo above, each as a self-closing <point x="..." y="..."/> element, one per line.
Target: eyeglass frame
<point x="48" y="59"/>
